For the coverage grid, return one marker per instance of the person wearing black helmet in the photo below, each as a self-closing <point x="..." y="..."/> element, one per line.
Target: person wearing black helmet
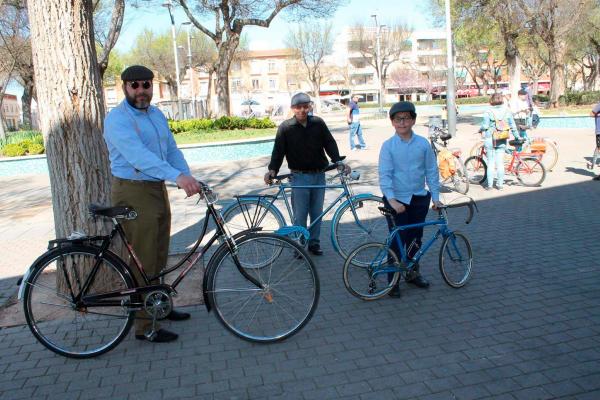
<point x="406" y="163"/>
<point x="143" y="155"/>
<point x="303" y="140"/>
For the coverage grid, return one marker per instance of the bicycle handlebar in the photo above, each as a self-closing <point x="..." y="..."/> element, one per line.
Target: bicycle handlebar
<point x="470" y="204"/>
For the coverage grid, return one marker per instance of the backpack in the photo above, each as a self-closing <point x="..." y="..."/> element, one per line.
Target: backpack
<point x="501" y="129"/>
<point x="446" y="164"/>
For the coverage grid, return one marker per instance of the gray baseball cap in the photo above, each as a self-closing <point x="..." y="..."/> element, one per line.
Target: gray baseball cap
<point x="402" y="106"/>
<point x="300" y="98"/>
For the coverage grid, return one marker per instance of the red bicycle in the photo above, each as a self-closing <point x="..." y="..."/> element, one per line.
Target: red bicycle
<point x="525" y="166"/>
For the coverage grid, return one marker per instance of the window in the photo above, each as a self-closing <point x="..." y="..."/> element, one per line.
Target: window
<point x="272" y="84"/>
<point x="255" y="84"/>
<point x="272" y="66"/>
<point x="236" y="85"/>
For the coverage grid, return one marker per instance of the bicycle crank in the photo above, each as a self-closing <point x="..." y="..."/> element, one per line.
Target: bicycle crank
<point x="158" y="303"/>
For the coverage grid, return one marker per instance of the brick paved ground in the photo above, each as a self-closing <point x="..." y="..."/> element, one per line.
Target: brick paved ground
<point x="526" y="327"/>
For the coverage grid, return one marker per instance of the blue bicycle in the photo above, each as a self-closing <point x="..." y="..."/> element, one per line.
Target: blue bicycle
<point x="372" y="269"/>
<point x="356" y="220"/>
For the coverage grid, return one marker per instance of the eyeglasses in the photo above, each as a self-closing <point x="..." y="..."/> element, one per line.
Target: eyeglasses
<point x="135" y="84"/>
<point x="399" y="120"/>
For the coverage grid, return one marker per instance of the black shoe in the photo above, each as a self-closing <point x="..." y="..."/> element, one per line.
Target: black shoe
<point x="315" y="249"/>
<point x="161" y="336"/>
<point x="395" y="292"/>
<point x="596" y="178"/>
<point x="419" y="281"/>
<point x="178" y="316"/>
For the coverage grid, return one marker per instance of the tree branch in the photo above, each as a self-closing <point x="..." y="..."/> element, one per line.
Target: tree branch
<point x="116" y="23"/>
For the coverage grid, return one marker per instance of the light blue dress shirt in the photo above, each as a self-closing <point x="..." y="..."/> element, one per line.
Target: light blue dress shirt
<point x="405" y="166"/>
<point x="141" y="146"/>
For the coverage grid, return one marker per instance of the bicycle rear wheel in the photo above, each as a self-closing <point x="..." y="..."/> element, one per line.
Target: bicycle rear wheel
<point x="460" y="177"/>
<point x="456" y="260"/>
<point x="476" y="149"/>
<point x="285" y="303"/>
<point x="252" y="213"/>
<point x="530" y="172"/>
<point x="362" y="271"/>
<point x="476" y="169"/>
<point x="549" y="158"/>
<point x="348" y="231"/>
<point x="57" y="321"/>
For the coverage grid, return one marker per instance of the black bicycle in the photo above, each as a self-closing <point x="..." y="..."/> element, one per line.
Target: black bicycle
<point x="80" y="298"/>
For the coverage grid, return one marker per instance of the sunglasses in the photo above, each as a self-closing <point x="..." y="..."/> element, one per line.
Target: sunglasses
<point x="135" y="84"/>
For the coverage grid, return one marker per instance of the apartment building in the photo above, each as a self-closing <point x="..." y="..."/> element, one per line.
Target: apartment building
<point x="11" y="112"/>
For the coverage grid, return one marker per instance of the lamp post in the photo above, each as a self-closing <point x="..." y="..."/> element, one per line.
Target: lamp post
<point x="450" y="90"/>
<point x="189" y="55"/>
<point x="378" y="62"/>
<point x="168" y="5"/>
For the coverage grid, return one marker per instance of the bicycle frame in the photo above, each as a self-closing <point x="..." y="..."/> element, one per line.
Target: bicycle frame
<point x="192" y="257"/>
<point x="394" y="235"/>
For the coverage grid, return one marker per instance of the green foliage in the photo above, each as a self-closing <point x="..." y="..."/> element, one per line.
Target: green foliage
<point x="223" y="123"/>
<point x="36" y="148"/>
<point x="22" y="143"/>
<point x="14" y="150"/>
<point x="578" y="98"/>
<point x="541" y="97"/>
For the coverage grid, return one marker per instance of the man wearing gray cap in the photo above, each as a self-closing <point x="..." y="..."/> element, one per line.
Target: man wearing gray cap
<point x="303" y="140"/>
<point x="406" y="163"/>
<point x="143" y="155"/>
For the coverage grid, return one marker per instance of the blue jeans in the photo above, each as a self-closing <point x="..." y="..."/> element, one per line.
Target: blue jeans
<point x="355" y="129"/>
<point x="307" y="202"/>
<point x="495" y="164"/>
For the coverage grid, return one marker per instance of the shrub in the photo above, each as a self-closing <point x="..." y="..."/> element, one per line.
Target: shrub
<point x="224" y="122"/>
<point x="541" y="97"/>
<point x="35" y="148"/>
<point x="14" y="150"/>
<point x="579" y="98"/>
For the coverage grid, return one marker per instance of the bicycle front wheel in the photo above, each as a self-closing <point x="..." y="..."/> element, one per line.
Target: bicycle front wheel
<point x="456" y="260"/>
<point x="363" y="276"/>
<point x="476" y="170"/>
<point x="530" y="172"/>
<point x="253" y="213"/>
<point x="70" y="328"/>
<point x="358" y="222"/>
<point x="282" y="306"/>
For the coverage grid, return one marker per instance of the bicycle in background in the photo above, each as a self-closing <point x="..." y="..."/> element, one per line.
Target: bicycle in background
<point x="453" y="173"/>
<point x="356" y="219"/>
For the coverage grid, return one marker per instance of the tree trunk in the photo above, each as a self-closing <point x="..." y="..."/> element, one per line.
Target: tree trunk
<point x="226" y="53"/>
<point x="209" y="111"/>
<point x="26" y="98"/>
<point x="71" y="109"/>
<point x="557" y="81"/>
<point x="514" y="73"/>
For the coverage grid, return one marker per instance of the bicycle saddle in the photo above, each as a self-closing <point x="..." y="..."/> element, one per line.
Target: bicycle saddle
<point x="445" y="136"/>
<point x="387" y="211"/>
<point x="516" y="142"/>
<point x="112" y="212"/>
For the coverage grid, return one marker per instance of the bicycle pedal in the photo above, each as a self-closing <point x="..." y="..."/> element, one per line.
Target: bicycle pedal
<point x="151" y="335"/>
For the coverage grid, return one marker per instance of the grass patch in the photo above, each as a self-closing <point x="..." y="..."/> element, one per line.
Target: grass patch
<point x="582" y="110"/>
<point x="208" y="136"/>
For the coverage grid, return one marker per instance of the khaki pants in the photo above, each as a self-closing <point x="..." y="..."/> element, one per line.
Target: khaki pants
<point x="149" y="233"/>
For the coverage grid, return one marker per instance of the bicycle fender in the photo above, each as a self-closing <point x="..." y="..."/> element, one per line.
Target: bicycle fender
<point x="290" y="230"/>
<point x="25" y="277"/>
<point x="255" y="199"/>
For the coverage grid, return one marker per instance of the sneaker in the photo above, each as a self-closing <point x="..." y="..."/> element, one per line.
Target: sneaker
<point x="395" y="292"/>
<point x="364" y="148"/>
<point x="487" y="188"/>
<point x="354" y="149"/>
<point x="596" y="178"/>
<point x="499" y="187"/>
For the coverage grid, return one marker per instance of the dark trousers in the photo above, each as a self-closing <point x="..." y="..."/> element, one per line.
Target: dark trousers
<point x="149" y="233"/>
<point x="415" y="213"/>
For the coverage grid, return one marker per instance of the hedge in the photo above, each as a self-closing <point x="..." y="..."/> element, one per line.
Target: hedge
<point x="579" y="98"/>
<point x="225" y="123"/>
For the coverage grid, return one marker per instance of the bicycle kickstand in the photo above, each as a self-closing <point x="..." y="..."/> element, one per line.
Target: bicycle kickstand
<point x="151" y="334"/>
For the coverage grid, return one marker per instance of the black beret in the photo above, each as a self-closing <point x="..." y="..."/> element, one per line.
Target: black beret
<point x="300" y="98"/>
<point x="137" y="73"/>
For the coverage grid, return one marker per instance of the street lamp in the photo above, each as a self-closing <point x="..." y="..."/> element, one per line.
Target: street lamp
<point x="189" y="44"/>
<point x="168" y="5"/>
<point x="378" y="61"/>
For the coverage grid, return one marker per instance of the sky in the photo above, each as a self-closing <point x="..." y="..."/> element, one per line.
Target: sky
<point x="388" y="12"/>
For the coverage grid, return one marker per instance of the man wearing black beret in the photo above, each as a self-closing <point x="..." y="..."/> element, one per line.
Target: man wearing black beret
<point x="143" y="155"/>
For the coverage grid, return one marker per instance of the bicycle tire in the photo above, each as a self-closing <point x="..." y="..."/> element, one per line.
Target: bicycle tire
<point x="55" y="320"/>
<point x="460" y="178"/>
<point x="450" y="252"/>
<point x="476" y="170"/>
<point x="530" y="172"/>
<point x="549" y="158"/>
<point x="476" y="150"/>
<point x="263" y="315"/>
<point x="362" y="264"/>
<point x="346" y="234"/>
<point x="253" y="213"/>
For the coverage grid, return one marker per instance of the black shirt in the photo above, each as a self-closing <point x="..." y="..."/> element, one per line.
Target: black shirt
<point x="304" y="147"/>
